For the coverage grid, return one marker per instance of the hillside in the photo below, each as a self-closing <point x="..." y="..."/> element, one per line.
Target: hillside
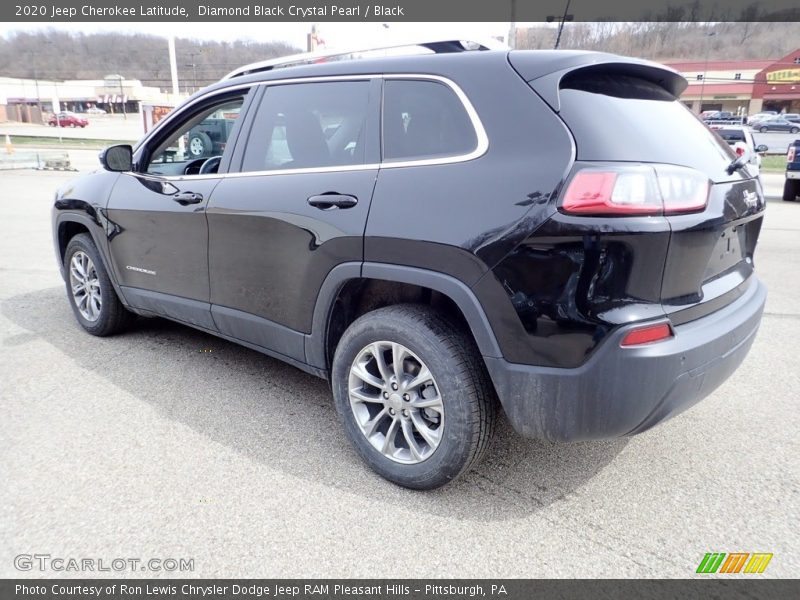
<point x="58" y="55"/>
<point x="673" y="40"/>
<point x="54" y="54"/>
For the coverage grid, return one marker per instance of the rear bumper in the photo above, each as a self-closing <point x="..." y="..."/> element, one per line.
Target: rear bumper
<point x="624" y="391"/>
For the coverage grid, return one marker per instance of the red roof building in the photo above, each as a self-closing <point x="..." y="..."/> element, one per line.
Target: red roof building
<point x="743" y="87"/>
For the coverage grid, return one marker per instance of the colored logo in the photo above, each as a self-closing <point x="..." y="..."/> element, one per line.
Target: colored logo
<point x="735" y="562"/>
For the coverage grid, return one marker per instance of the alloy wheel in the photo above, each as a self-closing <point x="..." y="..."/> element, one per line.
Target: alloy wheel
<point x="85" y="286"/>
<point x="396" y="402"/>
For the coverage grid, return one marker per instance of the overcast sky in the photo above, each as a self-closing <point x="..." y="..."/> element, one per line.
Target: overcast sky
<point x="336" y="35"/>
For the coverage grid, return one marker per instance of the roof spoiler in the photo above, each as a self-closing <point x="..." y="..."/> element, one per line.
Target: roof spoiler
<point x="438" y="46"/>
<point x="546" y="76"/>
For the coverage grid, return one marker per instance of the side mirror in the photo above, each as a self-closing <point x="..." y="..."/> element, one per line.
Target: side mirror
<point x="117" y="158"/>
<point x="762" y="148"/>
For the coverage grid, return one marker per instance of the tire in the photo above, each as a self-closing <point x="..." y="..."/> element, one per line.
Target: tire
<point x="764" y="129"/>
<point x="794" y="130"/>
<point x="791" y="189"/>
<point x="200" y="145"/>
<point x="111" y="316"/>
<point x="462" y="425"/>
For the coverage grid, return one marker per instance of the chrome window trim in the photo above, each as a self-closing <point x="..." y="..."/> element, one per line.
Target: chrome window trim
<point x="481" y="147"/>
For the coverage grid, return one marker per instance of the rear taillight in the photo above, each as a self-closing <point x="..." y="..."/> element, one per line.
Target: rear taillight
<point x="791" y="154"/>
<point x="739" y="151"/>
<point x="635" y="190"/>
<point x="647" y="335"/>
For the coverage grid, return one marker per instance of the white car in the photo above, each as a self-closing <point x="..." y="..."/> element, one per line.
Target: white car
<point x="741" y="139"/>
<point x="95" y="111"/>
<point x="760" y="116"/>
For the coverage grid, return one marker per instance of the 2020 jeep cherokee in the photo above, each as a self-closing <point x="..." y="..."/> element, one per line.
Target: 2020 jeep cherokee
<point x="432" y="233"/>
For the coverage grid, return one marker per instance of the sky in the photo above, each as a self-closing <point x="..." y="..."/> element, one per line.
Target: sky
<point x="336" y="35"/>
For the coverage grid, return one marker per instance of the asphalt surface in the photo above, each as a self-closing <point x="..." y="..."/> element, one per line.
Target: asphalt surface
<point x="169" y="443"/>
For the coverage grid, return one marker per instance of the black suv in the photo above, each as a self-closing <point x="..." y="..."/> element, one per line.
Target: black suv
<point x="433" y="233"/>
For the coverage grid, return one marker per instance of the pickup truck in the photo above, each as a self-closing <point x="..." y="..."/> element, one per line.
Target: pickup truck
<point x="720" y="116"/>
<point x="791" y="188"/>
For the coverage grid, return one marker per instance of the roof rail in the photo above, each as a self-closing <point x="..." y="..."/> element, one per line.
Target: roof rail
<point x="438" y="46"/>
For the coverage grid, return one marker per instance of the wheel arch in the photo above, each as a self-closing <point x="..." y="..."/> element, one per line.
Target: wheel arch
<point x="345" y="277"/>
<point x="67" y="226"/>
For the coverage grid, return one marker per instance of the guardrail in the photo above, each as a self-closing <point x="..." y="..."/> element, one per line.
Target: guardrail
<point x="41" y="160"/>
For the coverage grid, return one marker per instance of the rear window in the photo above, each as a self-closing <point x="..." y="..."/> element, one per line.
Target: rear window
<point x="731" y="135"/>
<point x="615" y="117"/>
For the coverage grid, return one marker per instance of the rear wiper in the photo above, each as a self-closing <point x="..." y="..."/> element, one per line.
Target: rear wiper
<point x="738" y="163"/>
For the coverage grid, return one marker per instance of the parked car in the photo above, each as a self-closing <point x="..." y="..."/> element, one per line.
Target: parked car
<point x="759" y="116"/>
<point x="720" y="115"/>
<point x="551" y="229"/>
<point x="791" y="187"/>
<point x="67" y="119"/>
<point x="740" y="138"/>
<point x="775" y="124"/>
<point x="93" y="110"/>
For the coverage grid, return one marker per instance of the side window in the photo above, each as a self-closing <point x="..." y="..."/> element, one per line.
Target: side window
<point x="202" y="136"/>
<point x="424" y="119"/>
<point x="308" y="125"/>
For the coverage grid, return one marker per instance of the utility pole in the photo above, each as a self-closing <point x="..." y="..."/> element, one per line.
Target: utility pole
<point x="193" y="64"/>
<point x="563" y="19"/>
<point x="122" y="98"/>
<point x="38" y="96"/>
<point x="705" y="69"/>
<point x="173" y="69"/>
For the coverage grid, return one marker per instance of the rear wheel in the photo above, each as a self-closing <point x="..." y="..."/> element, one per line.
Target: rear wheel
<point x="795" y="130"/>
<point x="791" y="189"/>
<point x="90" y="292"/>
<point x="763" y="130"/>
<point x="413" y="395"/>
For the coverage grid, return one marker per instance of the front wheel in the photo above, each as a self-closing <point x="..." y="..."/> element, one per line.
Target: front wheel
<point x="795" y="130"/>
<point x="413" y="394"/>
<point x="763" y="130"/>
<point x="89" y="289"/>
<point x="791" y="189"/>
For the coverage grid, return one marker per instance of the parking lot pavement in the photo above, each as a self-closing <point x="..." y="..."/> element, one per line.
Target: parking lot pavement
<point x="167" y="442"/>
<point x="777" y="141"/>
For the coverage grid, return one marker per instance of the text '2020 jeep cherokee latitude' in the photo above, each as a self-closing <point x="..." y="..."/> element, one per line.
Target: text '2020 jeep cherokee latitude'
<point x="431" y="233"/>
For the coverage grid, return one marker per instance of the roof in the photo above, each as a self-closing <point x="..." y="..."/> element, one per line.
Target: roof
<point x="721" y="65"/>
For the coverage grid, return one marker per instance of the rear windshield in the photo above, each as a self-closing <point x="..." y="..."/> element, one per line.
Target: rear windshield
<point x="615" y="117"/>
<point x="731" y="135"/>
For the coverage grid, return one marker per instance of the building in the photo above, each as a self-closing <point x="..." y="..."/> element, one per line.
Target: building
<point x="743" y="87"/>
<point x="28" y="100"/>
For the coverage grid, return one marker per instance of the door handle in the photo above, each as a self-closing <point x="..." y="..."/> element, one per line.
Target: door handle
<point x="186" y="198"/>
<point x="329" y="201"/>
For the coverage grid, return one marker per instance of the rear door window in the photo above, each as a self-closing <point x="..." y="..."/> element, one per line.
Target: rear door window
<point x="424" y="120"/>
<point x="309" y="125"/>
